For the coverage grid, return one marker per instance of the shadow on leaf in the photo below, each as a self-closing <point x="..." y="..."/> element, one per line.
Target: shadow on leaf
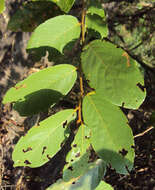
<point x="36" y="102"/>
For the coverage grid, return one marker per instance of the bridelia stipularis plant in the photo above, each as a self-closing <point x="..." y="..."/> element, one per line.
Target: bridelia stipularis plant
<point x="108" y="79"/>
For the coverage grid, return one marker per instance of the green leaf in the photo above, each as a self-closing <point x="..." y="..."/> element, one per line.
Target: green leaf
<point x="78" y="158"/>
<point x="2" y="5"/>
<point x="42" y="89"/>
<point x="89" y="181"/>
<point x="96" y="23"/>
<point x="95" y="8"/>
<point x="55" y="32"/>
<point x="42" y="142"/>
<point x="104" y="186"/>
<point x="27" y="18"/>
<point x="111" y="136"/>
<point x="111" y="71"/>
<point x="65" y="5"/>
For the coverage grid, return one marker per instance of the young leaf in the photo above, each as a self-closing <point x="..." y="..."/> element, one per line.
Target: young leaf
<point x="2" y="5"/>
<point x="42" y="89"/>
<point x="55" y="32"/>
<point x="27" y="18"/>
<point x="96" y="23"/>
<point x="42" y="142"/>
<point x="78" y="158"/>
<point x="88" y="181"/>
<point x="111" y="71"/>
<point x="111" y="136"/>
<point x="104" y="186"/>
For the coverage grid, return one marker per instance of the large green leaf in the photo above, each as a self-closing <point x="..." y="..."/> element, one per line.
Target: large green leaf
<point x="111" y="71"/>
<point x="96" y="23"/>
<point x="111" y="136"/>
<point x="42" y="142"/>
<point x="2" y="5"/>
<point x="77" y="160"/>
<point x="104" y="186"/>
<point x="27" y="18"/>
<point x="65" y="5"/>
<point x="88" y="181"/>
<point x="42" y="89"/>
<point x="55" y="32"/>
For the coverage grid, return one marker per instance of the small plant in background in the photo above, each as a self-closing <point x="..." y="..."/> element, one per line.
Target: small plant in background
<point x="107" y="77"/>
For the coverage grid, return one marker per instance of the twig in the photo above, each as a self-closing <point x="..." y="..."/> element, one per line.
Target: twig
<point x="143" y="133"/>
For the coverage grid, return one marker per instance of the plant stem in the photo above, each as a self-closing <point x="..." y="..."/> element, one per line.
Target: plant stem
<point x="80" y="121"/>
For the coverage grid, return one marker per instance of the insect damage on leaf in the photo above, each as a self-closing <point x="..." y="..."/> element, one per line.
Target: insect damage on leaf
<point x="74" y="145"/>
<point x="44" y="148"/>
<point x="27" y="162"/>
<point x="123" y="152"/>
<point x="21" y="86"/>
<point x="127" y="58"/>
<point x="77" y="155"/>
<point x="70" y="168"/>
<point x="48" y="157"/>
<point x="64" y="124"/>
<point x="141" y="87"/>
<point x="28" y="149"/>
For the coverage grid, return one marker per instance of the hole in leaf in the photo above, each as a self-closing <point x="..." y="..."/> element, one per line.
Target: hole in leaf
<point x="28" y="149"/>
<point x="123" y="103"/>
<point x="87" y="137"/>
<point x="44" y="148"/>
<point x="48" y="156"/>
<point x="141" y="87"/>
<point x="74" y="145"/>
<point x="77" y="155"/>
<point x="123" y="152"/>
<point x="70" y="168"/>
<point x="73" y="183"/>
<point x="27" y="162"/>
<point x="64" y="124"/>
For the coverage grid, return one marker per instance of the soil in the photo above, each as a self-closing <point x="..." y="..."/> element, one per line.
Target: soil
<point x="15" y="65"/>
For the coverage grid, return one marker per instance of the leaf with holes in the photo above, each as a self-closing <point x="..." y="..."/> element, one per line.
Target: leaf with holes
<point x="111" y="71"/>
<point x="111" y="137"/>
<point x="88" y="181"/>
<point x="55" y="32"/>
<point x="42" y="142"/>
<point x="77" y="160"/>
<point x="42" y="89"/>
